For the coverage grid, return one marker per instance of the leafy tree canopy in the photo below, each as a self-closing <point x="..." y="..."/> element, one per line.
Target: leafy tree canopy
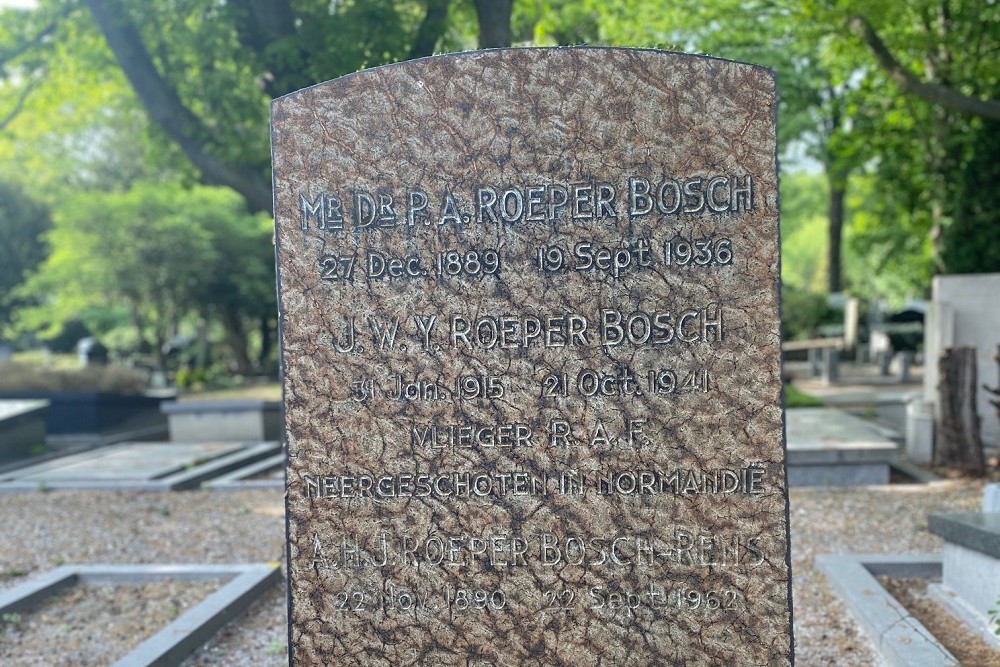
<point x="163" y="253"/>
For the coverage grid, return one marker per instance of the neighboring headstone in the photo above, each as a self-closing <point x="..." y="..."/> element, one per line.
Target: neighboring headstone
<point x="880" y="350"/>
<point x="90" y="352"/>
<point x="991" y="497"/>
<point x="831" y="365"/>
<point x="852" y="315"/>
<point x="530" y="339"/>
<point x="815" y="357"/>
<point x="905" y="361"/>
<point x="919" y="431"/>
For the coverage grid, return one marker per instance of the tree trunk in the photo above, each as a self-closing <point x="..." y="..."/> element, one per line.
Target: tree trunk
<point x="995" y="390"/>
<point x="236" y="339"/>
<point x="838" y="191"/>
<point x="167" y="110"/>
<point x="431" y="28"/>
<point x="265" y="340"/>
<point x="960" y="442"/>
<point x="494" y="23"/>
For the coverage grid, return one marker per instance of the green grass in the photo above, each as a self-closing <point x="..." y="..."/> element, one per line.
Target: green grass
<point x="798" y="399"/>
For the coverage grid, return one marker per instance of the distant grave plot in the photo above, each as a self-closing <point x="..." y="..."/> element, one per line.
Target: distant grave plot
<point x="138" y="465"/>
<point x="530" y="333"/>
<point x="829" y="447"/>
<point x="240" y="586"/>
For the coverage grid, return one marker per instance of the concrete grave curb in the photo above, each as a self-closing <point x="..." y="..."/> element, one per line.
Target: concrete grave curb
<point x="186" y="478"/>
<point x="899" y="638"/>
<point x="238" y="479"/>
<point x="184" y="635"/>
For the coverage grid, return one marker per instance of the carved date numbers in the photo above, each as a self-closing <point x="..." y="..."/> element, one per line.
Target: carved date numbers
<point x="474" y="263"/>
<point x="698" y="252"/>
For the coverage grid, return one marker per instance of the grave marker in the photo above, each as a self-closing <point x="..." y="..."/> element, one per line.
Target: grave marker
<point x="530" y="338"/>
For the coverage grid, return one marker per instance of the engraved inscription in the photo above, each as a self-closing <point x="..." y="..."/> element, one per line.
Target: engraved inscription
<point x="538" y="203"/>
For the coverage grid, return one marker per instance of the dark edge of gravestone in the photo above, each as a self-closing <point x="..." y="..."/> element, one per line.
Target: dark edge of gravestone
<point x="787" y="549"/>
<point x="784" y="411"/>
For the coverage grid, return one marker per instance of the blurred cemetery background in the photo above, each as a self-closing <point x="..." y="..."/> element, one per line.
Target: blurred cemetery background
<point x="137" y="283"/>
<point x="135" y="231"/>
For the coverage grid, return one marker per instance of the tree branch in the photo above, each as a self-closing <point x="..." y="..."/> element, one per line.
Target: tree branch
<point x="910" y="83"/>
<point x="19" y="106"/>
<point x="7" y="56"/>
<point x="167" y="110"/>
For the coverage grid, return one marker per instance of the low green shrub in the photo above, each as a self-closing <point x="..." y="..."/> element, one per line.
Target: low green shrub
<point x="803" y="313"/>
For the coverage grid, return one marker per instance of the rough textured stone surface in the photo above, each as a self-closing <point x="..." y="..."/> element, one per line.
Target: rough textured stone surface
<point x="576" y="373"/>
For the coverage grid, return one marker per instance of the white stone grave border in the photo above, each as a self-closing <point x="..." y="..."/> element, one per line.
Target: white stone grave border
<point x="186" y="633"/>
<point x="899" y="638"/>
<point x="188" y="478"/>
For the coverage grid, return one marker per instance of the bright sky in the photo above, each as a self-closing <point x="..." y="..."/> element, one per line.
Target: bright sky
<point x="21" y="4"/>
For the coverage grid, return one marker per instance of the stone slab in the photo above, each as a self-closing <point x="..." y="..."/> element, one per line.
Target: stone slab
<point x="900" y="639"/>
<point x="530" y="334"/>
<point x="839" y="474"/>
<point x="181" y="637"/>
<point x="979" y="531"/>
<point x="127" y="461"/>
<point x="75" y="414"/>
<point x="138" y="466"/>
<point x="22" y="428"/>
<point x="223" y="420"/>
<point x="832" y="436"/>
<point x="15" y="408"/>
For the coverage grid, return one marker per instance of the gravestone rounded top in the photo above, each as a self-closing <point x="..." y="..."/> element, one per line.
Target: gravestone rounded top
<point x="529" y="311"/>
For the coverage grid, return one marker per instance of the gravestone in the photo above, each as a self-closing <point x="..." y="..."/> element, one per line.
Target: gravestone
<point x="530" y="340"/>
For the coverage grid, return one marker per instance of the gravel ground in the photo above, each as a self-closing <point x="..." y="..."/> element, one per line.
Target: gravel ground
<point x="39" y="531"/>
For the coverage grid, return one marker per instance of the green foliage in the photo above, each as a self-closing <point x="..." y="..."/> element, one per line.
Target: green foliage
<point x="11" y="618"/>
<point x="971" y="243"/>
<point x="803" y="231"/>
<point x="794" y="398"/>
<point x="277" y="646"/>
<point x="802" y="313"/>
<point x="994" y="615"/>
<point x="892" y="249"/>
<point x="162" y="251"/>
<point x="920" y="178"/>
<point x="22" y="222"/>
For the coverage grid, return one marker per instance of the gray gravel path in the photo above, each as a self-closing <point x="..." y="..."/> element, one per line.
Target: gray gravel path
<point x="39" y="531"/>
